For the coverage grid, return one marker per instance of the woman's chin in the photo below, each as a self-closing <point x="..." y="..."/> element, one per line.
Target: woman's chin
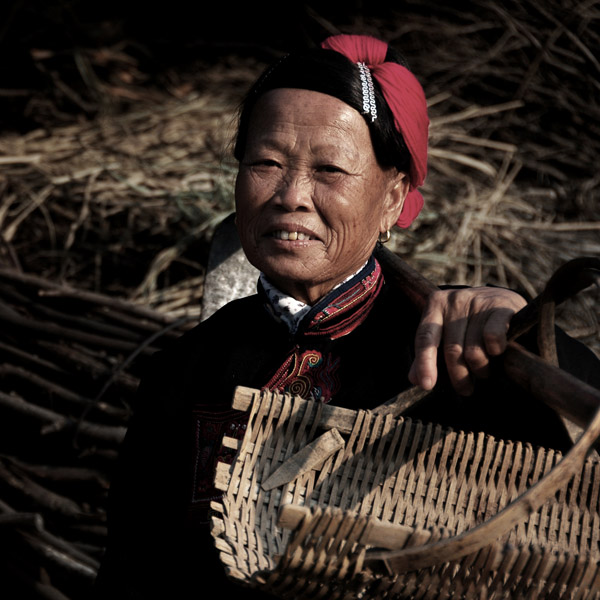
<point x="287" y="277"/>
<point x="290" y="263"/>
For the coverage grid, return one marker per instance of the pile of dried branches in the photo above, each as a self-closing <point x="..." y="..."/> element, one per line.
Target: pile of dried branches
<point x="70" y="366"/>
<point x="114" y="211"/>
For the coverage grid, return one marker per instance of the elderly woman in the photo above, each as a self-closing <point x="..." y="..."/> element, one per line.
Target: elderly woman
<point x="332" y="146"/>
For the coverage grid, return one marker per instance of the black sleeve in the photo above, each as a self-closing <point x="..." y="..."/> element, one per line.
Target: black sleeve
<point x="145" y="507"/>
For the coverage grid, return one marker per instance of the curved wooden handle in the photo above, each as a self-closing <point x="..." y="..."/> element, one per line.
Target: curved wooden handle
<point x="474" y="539"/>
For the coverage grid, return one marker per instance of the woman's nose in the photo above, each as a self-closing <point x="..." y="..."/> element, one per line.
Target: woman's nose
<point x="294" y="193"/>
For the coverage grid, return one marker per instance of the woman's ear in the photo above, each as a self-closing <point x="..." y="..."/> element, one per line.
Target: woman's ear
<point x="394" y="200"/>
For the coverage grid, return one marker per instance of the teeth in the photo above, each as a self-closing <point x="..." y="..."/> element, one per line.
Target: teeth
<point x="291" y="235"/>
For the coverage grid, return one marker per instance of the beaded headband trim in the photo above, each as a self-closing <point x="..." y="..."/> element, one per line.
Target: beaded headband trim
<point x="368" y="91"/>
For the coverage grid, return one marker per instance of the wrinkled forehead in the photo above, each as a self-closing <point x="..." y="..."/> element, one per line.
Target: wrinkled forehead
<point x="286" y="115"/>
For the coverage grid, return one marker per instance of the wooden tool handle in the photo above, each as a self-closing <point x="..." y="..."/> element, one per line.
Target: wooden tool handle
<point x="522" y="367"/>
<point x="415" y="286"/>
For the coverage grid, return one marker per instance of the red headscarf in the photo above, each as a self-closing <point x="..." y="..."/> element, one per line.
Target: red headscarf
<point x="406" y="99"/>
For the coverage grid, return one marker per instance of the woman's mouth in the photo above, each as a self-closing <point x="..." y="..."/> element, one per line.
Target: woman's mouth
<point x="291" y="235"/>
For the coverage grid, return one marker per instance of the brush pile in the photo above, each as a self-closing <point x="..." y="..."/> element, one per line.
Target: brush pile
<point x="109" y="196"/>
<point x="70" y="363"/>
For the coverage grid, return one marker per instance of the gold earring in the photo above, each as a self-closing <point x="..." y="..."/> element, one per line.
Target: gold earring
<point x="384" y="238"/>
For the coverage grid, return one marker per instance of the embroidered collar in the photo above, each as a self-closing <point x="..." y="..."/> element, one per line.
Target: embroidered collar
<point x="336" y="314"/>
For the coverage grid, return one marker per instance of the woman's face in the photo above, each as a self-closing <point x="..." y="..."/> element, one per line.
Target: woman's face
<point x="311" y="198"/>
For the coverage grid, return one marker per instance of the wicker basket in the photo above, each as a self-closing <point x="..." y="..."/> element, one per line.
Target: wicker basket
<point x="323" y="501"/>
<point x="326" y="502"/>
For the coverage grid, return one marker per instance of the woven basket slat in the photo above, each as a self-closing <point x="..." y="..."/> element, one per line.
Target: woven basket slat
<point x="397" y="475"/>
<point x="457" y="483"/>
<point x="496" y="566"/>
<point x="572" y="581"/>
<point x="477" y="489"/>
<point x="572" y="575"/>
<point x="494" y="452"/>
<point x="589" y="581"/>
<point x="496" y="494"/>
<point x="524" y="562"/>
<point x="534" y="527"/>
<point x="389" y="467"/>
<point x="394" y="480"/>
<point x="448" y="461"/>
<point x="556" y="577"/>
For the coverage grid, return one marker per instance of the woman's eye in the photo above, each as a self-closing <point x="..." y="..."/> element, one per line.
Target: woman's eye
<point x="330" y="169"/>
<point x="266" y="162"/>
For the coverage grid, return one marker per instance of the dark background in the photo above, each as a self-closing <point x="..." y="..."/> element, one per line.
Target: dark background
<point x="159" y="35"/>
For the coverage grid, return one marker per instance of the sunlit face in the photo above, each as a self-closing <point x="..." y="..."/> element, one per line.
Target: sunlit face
<point x="311" y="198"/>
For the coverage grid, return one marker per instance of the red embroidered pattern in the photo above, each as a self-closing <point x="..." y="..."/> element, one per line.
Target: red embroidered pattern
<point x="307" y="374"/>
<point x="333" y="320"/>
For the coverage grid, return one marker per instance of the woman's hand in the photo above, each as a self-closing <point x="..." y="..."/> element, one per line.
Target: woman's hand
<point x="471" y="325"/>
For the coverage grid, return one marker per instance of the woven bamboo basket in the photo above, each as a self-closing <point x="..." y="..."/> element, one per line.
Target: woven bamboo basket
<point x="326" y="502"/>
<point x="323" y="501"/>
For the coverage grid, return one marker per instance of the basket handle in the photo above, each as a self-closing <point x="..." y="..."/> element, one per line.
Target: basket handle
<point x="474" y="539"/>
<point x="471" y="541"/>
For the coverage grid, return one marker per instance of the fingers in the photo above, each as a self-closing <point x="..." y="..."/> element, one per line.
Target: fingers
<point x="471" y="325"/>
<point x="438" y="323"/>
<point x="485" y="337"/>
<point x="496" y="328"/>
<point x="476" y="352"/>
<point x="423" y="371"/>
<point x="455" y="356"/>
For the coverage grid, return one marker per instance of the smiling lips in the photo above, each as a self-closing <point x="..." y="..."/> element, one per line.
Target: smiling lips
<point x="291" y="235"/>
